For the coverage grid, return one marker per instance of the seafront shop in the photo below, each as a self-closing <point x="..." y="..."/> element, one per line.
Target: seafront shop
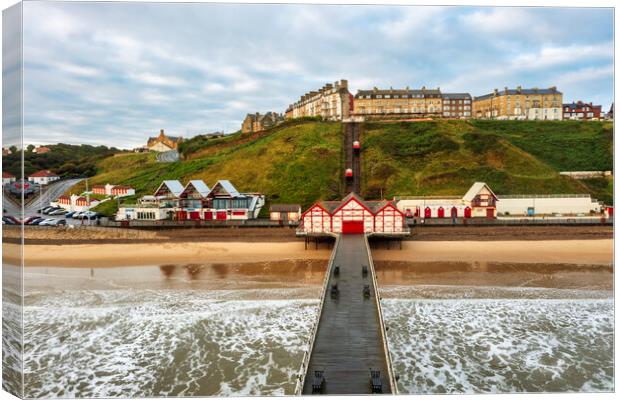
<point x="481" y="201"/>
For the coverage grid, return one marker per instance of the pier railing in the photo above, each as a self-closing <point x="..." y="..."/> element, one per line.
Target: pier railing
<point x="384" y="339"/>
<point x="303" y="371"/>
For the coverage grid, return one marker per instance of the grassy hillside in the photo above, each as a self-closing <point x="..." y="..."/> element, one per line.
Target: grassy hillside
<point x="297" y="163"/>
<point x="445" y="157"/>
<point x="300" y="162"/>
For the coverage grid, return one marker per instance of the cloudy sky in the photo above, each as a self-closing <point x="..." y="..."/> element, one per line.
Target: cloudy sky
<point x="115" y="73"/>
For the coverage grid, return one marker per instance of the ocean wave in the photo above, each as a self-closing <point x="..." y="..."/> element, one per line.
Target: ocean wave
<point x="136" y="343"/>
<point x="501" y="346"/>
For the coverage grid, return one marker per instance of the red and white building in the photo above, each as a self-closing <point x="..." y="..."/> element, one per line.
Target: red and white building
<point x="114" y="190"/>
<point x="353" y="215"/>
<point x="195" y="201"/>
<point x="43" y="177"/>
<point x="7" y="178"/>
<point x="75" y="203"/>
<point x="581" y="111"/>
<point x="479" y="201"/>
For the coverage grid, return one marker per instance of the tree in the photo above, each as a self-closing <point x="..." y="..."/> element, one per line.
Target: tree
<point x="30" y="148"/>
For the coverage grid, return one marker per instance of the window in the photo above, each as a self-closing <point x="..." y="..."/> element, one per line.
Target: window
<point x="396" y="96"/>
<point x="387" y="96"/>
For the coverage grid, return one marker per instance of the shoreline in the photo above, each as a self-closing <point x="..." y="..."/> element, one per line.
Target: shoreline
<point x="134" y="254"/>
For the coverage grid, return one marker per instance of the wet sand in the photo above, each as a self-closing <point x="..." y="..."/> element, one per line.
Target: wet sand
<point x="395" y="274"/>
<point x="542" y="251"/>
<point x="102" y="255"/>
<point x="115" y="255"/>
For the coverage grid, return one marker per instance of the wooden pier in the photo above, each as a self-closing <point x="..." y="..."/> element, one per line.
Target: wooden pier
<point x="350" y="338"/>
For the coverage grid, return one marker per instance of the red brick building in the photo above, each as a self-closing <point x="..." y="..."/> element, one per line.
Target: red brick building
<point x="581" y="111"/>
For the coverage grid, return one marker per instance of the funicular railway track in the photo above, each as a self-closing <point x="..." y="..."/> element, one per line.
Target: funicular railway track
<point x="352" y="161"/>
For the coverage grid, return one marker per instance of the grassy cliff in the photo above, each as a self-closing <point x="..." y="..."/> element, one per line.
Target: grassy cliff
<point x="301" y="162"/>
<point x="445" y="157"/>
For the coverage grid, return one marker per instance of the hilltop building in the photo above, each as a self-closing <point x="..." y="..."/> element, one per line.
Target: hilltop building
<point x="332" y="102"/>
<point x="519" y="103"/>
<point x="259" y="122"/>
<point x="413" y="103"/>
<point x="41" y="150"/>
<point x="163" y="142"/>
<point x="456" y="105"/>
<point x="352" y="215"/>
<point x="610" y="113"/>
<point x="7" y="178"/>
<point x="581" y="111"/>
<point x="43" y="177"/>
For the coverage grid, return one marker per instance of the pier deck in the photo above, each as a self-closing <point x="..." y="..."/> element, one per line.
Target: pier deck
<point x="349" y="341"/>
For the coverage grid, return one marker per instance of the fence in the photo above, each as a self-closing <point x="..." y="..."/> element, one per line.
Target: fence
<point x="266" y="223"/>
<point x="386" y="349"/>
<point x="507" y="221"/>
<point x="306" y="359"/>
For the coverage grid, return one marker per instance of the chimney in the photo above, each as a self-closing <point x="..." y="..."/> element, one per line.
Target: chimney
<point x="554" y="88"/>
<point x="519" y="89"/>
<point x="506" y="89"/>
<point x="161" y="131"/>
<point x="344" y="83"/>
<point x="495" y="92"/>
<point x="423" y="87"/>
<point x="375" y="89"/>
<point x="407" y="88"/>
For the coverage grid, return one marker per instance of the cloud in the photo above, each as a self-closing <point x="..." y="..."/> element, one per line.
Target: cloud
<point x="192" y="67"/>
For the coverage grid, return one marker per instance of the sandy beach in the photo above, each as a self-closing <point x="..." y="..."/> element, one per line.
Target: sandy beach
<point x="543" y="251"/>
<point x="114" y="255"/>
<point x="123" y="254"/>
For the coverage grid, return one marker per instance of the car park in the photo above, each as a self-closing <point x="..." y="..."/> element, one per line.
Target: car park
<point x="60" y="211"/>
<point x="28" y="220"/>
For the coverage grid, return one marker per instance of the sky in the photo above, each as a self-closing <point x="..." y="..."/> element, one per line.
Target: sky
<point x="116" y="73"/>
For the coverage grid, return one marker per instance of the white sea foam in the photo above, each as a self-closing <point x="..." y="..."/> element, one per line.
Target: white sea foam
<point x="501" y="345"/>
<point x="135" y="343"/>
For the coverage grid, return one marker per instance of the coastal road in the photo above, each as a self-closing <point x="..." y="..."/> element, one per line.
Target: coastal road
<point x="348" y="342"/>
<point x="40" y="199"/>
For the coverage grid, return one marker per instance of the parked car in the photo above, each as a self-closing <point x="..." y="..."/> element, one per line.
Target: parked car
<point x="48" y="210"/>
<point x="28" y="220"/>
<point x="48" y="222"/>
<point x="8" y="221"/>
<point x="58" y="222"/>
<point x="87" y="215"/>
<point x="60" y="211"/>
<point x="37" y="221"/>
<point x="14" y="220"/>
<point x="69" y="214"/>
<point x="44" y="210"/>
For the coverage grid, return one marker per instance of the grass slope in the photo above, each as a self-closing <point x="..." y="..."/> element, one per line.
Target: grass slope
<point x="445" y="157"/>
<point x="300" y="162"/>
<point x="296" y="163"/>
